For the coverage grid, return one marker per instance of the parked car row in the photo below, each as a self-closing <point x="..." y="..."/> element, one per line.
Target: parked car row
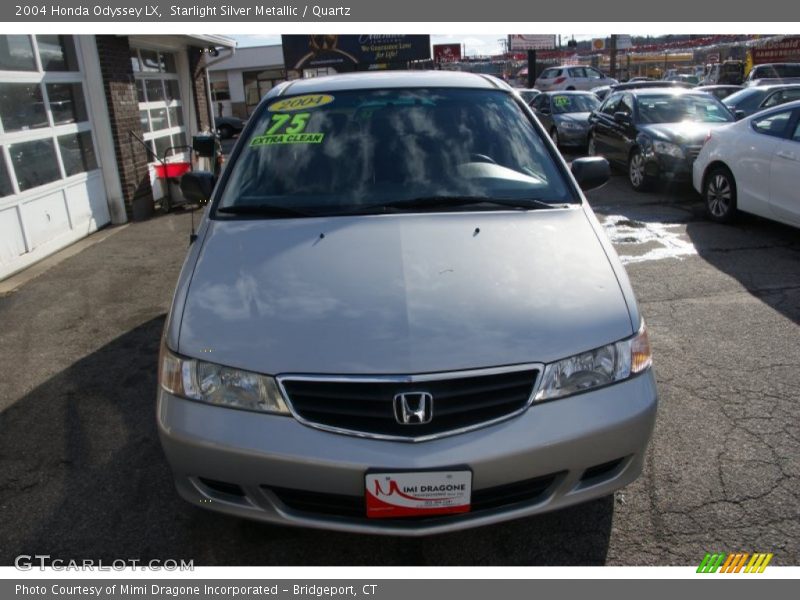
<point x="741" y="153"/>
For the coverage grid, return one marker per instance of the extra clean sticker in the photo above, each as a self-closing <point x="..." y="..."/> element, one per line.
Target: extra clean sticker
<point x="287" y="129"/>
<point x="306" y="102"/>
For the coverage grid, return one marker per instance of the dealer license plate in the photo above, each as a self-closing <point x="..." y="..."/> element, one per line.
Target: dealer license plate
<point x="391" y="495"/>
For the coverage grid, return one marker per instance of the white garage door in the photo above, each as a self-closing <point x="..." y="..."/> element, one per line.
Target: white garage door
<point x="51" y="187"/>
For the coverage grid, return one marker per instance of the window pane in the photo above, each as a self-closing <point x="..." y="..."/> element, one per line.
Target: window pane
<point x="34" y="163"/>
<point x="796" y="135"/>
<point x="21" y="106"/>
<point x="149" y="61"/>
<point x="220" y="91"/>
<point x="145" y="122"/>
<point x="57" y="52"/>
<point x="5" y="180"/>
<point x="77" y="152"/>
<point x="175" y="116"/>
<point x="162" y="144"/>
<point x="135" y="66"/>
<point x="155" y="91"/>
<point x="173" y="90"/>
<point x="179" y="139"/>
<point x="66" y="103"/>
<point x="168" y="63"/>
<point x="140" y="90"/>
<point x="16" y="53"/>
<point x="158" y="119"/>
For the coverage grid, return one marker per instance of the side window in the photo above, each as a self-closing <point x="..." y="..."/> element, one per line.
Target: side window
<point x="626" y="105"/>
<point x="593" y="73"/>
<point x="610" y="105"/>
<point x="774" y="124"/>
<point x="773" y="100"/>
<point x="796" y="134"/>
<point x="577" y="72"/>
<point x="538" y="102"/>
<point x="547" y="74"/>
<point x="791" y="95"/>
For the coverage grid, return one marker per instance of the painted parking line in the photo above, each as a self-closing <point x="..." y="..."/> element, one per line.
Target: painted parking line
<point x="640" y="241"/>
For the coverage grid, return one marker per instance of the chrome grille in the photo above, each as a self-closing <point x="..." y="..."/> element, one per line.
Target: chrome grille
<point x="365" y="405"/>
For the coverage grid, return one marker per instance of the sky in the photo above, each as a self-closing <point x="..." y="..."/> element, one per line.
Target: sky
<point x="475" y="45"/>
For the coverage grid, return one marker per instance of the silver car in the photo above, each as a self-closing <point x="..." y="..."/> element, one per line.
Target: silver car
<point x="401" y="316"/>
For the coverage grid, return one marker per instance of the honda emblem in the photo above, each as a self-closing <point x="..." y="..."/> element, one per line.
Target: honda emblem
<point x="413" y="408"/>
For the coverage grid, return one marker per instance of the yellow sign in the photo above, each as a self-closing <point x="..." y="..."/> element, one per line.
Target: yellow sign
<point x="300" y="103"/>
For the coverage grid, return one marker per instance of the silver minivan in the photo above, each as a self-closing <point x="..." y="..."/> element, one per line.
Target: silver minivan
<point x="401" y="316"/>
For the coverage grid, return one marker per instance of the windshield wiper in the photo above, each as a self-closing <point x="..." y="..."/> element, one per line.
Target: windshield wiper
<point x="266" y="210"/>
<point x="436" y="202"/>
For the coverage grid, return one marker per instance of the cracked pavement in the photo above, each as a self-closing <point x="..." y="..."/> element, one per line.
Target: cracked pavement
<point x="82" y="474"/>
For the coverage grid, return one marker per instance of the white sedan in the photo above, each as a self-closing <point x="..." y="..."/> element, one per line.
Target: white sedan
<point x="753" y="166"/>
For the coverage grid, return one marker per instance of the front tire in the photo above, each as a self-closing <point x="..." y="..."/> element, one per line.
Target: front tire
<point x="637" y="175"/>
<point x="719" y="194"/>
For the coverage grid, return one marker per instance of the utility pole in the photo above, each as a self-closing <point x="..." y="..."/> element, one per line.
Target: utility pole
<point x="612" y="56"/>
<point x="531" y="68"/>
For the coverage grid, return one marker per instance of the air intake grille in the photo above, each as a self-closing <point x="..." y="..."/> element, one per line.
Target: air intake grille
<point x="368" y="407"/>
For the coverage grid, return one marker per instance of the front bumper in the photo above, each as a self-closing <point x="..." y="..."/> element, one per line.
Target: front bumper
<point x="668" y="168"/>
<point x="258" y="453"/>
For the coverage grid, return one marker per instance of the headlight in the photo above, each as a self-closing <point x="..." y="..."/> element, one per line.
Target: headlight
<point x="571" y="125"/>
<point x="668" y="148"/>
<point x="215" y="384"/>
<point x="595" y="368"/>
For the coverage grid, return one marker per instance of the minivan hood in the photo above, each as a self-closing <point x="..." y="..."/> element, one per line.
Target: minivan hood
<point x="401" y="294"/>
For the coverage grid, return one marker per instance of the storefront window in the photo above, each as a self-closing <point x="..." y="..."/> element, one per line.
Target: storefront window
<point x="220" y="91"/>
<point x="258" y="83"/>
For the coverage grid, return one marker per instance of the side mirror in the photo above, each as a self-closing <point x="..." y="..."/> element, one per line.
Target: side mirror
<point x="591" y="172"/>
<point x="623" y="118"/>
<point x="196" y="186"/>
<point x="739" y="114"/>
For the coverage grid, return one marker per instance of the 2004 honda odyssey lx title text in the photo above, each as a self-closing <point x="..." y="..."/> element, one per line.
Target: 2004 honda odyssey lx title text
<point x="401" y="316"/>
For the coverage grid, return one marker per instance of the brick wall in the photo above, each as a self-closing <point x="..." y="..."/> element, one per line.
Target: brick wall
<point x="123" y="109"/>
<point x="199" y="88"/>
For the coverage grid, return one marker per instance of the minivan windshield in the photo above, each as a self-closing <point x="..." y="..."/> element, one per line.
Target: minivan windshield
<point x="349" y="151"/>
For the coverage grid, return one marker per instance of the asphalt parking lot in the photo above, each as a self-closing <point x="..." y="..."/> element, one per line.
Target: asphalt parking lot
<point x="82" y="474"/>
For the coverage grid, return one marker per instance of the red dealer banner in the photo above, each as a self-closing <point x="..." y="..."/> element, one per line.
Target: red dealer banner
<point x="446" y="52"/>
<point x="788" y="49"/>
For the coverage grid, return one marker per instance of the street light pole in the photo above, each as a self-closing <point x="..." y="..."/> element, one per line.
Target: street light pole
<point x="612" y="56"/>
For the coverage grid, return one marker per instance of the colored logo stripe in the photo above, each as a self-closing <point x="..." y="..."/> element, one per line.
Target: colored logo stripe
<point x="733" y="563"/>
<point x="758" y="563"/>
<point x="711" y="562"/>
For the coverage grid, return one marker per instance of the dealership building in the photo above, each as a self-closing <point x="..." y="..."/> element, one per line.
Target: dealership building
<point x="84" y="121"/>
